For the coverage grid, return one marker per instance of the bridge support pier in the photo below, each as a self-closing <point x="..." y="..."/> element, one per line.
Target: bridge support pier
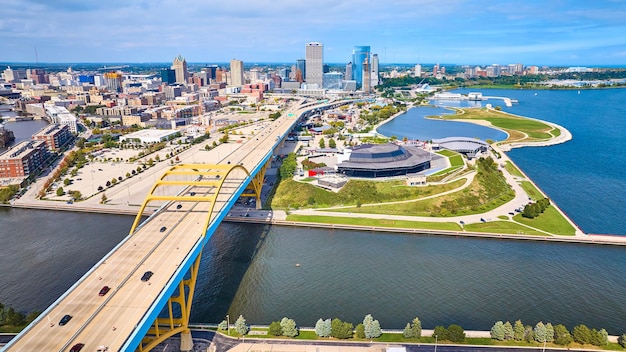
<point x="186" y="342"/>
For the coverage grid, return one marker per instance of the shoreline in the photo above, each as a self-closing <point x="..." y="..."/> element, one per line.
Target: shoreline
<point x="264" y="218"/>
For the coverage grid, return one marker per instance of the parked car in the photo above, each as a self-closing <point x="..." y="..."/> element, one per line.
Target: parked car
<point x="163" y="229"/>
<point x="179" y="206"/>
<point x="77" y="347"/>
<point x="65" y="319"/>
<point x="104" y="290"/>
<point x="146" y="276"/>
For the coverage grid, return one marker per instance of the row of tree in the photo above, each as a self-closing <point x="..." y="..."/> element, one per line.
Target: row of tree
<point x="10" y="317"/>
<point x="558" y="334"/>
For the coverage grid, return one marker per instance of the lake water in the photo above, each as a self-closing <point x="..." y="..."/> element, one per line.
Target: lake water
<point x="583" y="176"/>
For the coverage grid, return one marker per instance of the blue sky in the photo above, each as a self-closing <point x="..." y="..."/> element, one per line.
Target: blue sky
<point x="482" y="32"/>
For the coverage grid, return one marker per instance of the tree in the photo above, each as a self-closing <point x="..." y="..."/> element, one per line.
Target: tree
<point x="322" y="143"/>
<point x="60" y="191"/>
<point x="518" y="331"/>
<point x="497" y="331"/>
<point x="76" y="195"/>
<point x="332" y="143"/>
<point x="440" y="332"/>
<point x="407" y="332"/>
<point x="372" y="327"/>
<point x="581" y="334"/>
<point x="67" y="182"/>
<point x="113" y="180"/>
<point x="416" y="327"/>
<point x="359" y="331"/>
<point x="549" y="332"/>
<point x="275" y="329"/>
<point x="223" y="326"/>
<point x="508" y="331"/>
<point x="599" y="338"/>
<point x="540" y="332"/>
<point x="529" y="335"/>
<point x="455" y="333"/>
<point x="340" y="329"/>
<point x="240" y="326"/>
<point x="622" y="340"/>
<point x="323" y="328"/>
<point x="104" y="198"/>
<point x="561" y="335"/>
<point x="289" y="327"/>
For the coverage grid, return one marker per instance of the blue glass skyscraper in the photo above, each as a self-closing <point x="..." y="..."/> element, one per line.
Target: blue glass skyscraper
<point x="359" y="54"/>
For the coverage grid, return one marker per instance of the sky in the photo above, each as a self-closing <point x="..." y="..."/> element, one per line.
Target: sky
<point x="472" y="32"/>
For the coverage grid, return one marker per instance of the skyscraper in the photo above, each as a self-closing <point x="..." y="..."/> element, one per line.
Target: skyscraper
<point x="180" y="67"/>
<point x="348" y="75"/>
<point x="374" y="70"/>
<point x="168" y="76"/>
<point x="236" y="72"/>
<point x="300" y="71"/>
<point x="418" y="70"/>
<point x="359" y="54"/>
<point x="314" y="55"/>
<point x="366" y="75"/>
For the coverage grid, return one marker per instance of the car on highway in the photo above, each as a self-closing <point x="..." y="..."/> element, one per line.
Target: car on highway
<point x="146" y="276"/>
<point x="65" y="319"/>
<point x="192" y="194"/>
<point x="163" y="229"/>
<point x="104" y="290"/>
<point x="77" y="347"/>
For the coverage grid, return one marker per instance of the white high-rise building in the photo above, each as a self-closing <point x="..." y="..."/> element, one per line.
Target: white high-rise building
<point x="374" y="65"/>
<point x="314" y="56"/>
<point x="418" y="70"/>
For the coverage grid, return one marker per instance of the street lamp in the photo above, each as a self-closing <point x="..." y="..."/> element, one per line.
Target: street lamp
<point x="435" y="343"/>
<point x="228" y="324"/>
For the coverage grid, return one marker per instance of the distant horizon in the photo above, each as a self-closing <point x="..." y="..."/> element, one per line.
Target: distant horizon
<point x="254" y="63"/>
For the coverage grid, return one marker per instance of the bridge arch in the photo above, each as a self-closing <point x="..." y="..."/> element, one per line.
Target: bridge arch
<point x="205" y="186"/>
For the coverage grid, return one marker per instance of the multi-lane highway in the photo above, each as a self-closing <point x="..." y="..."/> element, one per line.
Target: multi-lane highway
<point x="165" y="245"/>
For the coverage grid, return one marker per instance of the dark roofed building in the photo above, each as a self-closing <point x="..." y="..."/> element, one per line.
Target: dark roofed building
<point x="381" y="160"/>
<point x="464" y="145"/>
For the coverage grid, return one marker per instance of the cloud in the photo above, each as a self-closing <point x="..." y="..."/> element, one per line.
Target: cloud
<point x="276" y="30"/>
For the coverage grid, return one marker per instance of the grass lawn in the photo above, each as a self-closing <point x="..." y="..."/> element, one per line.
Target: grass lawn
<point x="447" y="153"/>
<point x="510" y="123"/>
<point x="292" y="194"/>
<point x="507" y="227"/>
<point x="445" y="171"/>
<point x="531" y="190"/>
<point x="404" y="224"/>
<point x="487" y="191"/>
<point x="512" y="169"/>
<point x="551" y="221"/>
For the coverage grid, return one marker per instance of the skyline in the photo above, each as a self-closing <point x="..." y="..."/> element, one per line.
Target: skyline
<point x="555" y="32"/>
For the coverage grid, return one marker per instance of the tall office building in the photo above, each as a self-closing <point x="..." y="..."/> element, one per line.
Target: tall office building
<point x="418" y="70"/>
<point x="359" y="54"/>
<point x="236" y="73"/>
<point x="180" y="67"/>
<point x="300" y="71"/>
<point x="366" y="75"/>
<point x="314" y="67"/>
<point x="374" y="71"/>
<point x="348" y="75"/>
<point x="168" y="76"/>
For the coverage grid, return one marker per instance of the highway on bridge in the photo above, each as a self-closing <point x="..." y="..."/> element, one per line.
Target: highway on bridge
<point x="162" y="244"/>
